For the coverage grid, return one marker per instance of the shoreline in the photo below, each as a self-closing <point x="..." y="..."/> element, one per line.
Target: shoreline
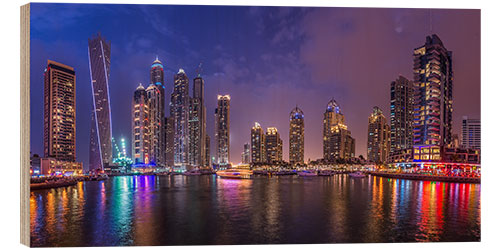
<point x="421" y="177"/>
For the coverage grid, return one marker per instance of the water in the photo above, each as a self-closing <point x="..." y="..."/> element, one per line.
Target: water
<point x="185" y="210"/>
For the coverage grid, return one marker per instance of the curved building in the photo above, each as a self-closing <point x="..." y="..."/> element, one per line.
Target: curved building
<point x="296" y="150"/>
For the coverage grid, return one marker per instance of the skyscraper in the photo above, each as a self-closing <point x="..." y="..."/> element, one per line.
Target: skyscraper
<point x="197" y="124"/>
<point x="274" y="146"/>
<point x="378" y="137"/>
<point x="140" y="126"/>
<point x="433" y="78"/>
<point x="59" y="135"/>
<point x="180" y="112"/>
<point x="207" y="151"/>
<point x="337" y="140"/>
<point x="222" y="129"/>
<point x="296" y="152"/>
<point x="156" y="99"/>
<point x="245" y="155"/>
<point x="257" y="144"/>
<point x="471" y="133"/>
<point x="169" y="141"/>
<point x="99" y="52"/>
<point x="401" y="119"/>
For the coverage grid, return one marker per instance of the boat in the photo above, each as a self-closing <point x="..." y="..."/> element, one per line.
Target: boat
<point x="326" y="173"/>
<point x="357" y="175"/>
<point x="235" y="173"/>
<point x="192" y="172"/>
<point x="307" y="173"/>
<point x="100" y="177"/>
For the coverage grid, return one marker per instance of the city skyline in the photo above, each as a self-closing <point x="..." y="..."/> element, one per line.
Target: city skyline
<point x="238" y="75"/>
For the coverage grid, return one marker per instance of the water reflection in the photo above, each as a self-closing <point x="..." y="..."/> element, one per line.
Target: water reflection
<point x="173" y="210"/>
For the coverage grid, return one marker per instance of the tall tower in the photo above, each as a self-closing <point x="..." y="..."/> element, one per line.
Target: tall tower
<point x="156" y="97"/>
<point x="197" y="124"/>
<point x="433" y="78"/>
<point x="99" y="52"/>
<point x="337" y="140"/>
<point x="296" y="152"/>
<point x="180" y="113"/>
<point x="401" y="117"/>
<point x="258" y="144"/>
<point x="59" y="135"/>
<point x="222" y="129"/>
<point x="378" y="137"/>
<point x="140" y="126"/>
<point x="274" y="146"/>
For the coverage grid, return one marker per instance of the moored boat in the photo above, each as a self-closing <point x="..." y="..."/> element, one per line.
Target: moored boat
<point x="307" y="173"/>
<point x="235" y="173"/>
<point x="357" y="175"/>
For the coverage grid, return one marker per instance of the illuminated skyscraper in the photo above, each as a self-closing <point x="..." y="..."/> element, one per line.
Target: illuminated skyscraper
<point x="59" y="135"/>
<point x="378" y="137"/>
<point x="401" y="120"/>
<point x="222" y="130"/>
<point x="100" y="132"/>
<point x="274" y="146"/>
<point x="258" y="144"/>
<point x="180" y="113"/>
<point x="207" y="151"/>
<point x="169" y="141"/>
<point x="337" y="140"/>
<point x="140" y="126"/>
<point x="471" y="133"/>
<point x="156" y="99"/>
<point x="197" y="124"/>
<point x="245" y="155"/>
<point x="296" y="152"/>
<point x="433" y="78"/>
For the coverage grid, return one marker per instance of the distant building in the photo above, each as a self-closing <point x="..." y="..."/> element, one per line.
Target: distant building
<point x="197" y="124"/>
<point x="169" y="141"/>
<point x="100" y="130"/>
<point x="337" y="140"/>
<point x="257" y="144"/>
<point x="180" y="112"/>
<point x="401" y="118"/>
<point x="222" y="129"/>
<point x="296" y="136"/>
<point x="433" y="79"/>
<point x="378" y="137"/>
<point x="140" y="127"/>
<point x="274" y="146"/>
<point x="52" y="166"/>
<point x="207" y="151"/>
<point x="471" y="133"/>
<point x="245" y="155"/>
<point x="35" y="164"/>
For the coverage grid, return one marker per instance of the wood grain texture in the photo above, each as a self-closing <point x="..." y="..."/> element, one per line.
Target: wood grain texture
<point x="25" y="124"/>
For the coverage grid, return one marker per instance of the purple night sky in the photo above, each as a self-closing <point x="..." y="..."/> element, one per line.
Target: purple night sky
<point x="268" y="59"/>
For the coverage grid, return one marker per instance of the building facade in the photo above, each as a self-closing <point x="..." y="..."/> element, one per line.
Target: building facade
<point x="156" y="99"/>
<point x="99" y="52"/>
<point x="296" y="136"/>
<point x="59" y="112"/>
<point x="180" y="112"/>
<point x="258" y="154"/>
<point x="208" y="159"/>
<point x="140" y="127"/>
<point x="274" y="146"/>
<point x="222" y="126"/>
<point x="433" y="80"/>
<point x="378" y="137"/>
<point x="471" y="133"/>
<point x="401" y="120"/>
<point x="197" y="124"/>
<point x="245" y="155"/>
<point x="169" y="141"/>
<point x="337" y="140"/>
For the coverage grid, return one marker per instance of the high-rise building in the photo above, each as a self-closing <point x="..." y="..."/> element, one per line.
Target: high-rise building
<point x="99" y="52"/>
<point x="378" y="137"/>
<point x="337" y="140"/>
<point x="156" y="99"/>
<point x="180" y="112"/>
<point x="222" y="129"/>
<point x="274" y="146"/>
<point x="59" y="135"/>
<point x="433" y="79"/>
<point x="245" y="155"/>
<point x="169" y="141"/>
<point x="401" y="120"/>
<point x="258" y="144"/>
<point x="296" y="152"/>
<point x="207" y="151"/>
<point x="140" y="126"/>
<point x="471" y="133"/>
<point x="197" y="124"/>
